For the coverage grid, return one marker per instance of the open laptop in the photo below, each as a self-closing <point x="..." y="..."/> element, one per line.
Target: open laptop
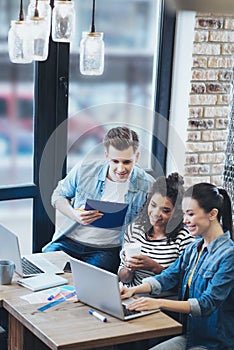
<point x="100" y="289"/>
<point x="29" y="265"/>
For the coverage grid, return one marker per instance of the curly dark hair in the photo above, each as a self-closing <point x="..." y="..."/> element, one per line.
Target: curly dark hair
<point x="172" y="188"/>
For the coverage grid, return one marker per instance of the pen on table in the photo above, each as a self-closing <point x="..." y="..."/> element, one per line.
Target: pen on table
<point x="51" y="297"/>
<point x="57" y="301"/>
<point x="99" y="316"/>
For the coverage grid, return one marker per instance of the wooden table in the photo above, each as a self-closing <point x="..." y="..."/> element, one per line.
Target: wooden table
<point x="69" y="326"/>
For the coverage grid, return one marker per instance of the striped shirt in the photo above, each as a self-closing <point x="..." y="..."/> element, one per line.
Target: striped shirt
<point x="160" y="250"/>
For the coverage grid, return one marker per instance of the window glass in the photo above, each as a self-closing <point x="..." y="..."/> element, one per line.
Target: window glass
<point x="16" y="108"/>
<point x="22" y="222"/>
<point x="16" y="132"/>
<point x="125" y="91"/>
<point x="3" y="107"/>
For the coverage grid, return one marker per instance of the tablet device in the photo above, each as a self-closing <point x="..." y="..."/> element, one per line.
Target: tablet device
<point x="113" y="213"/>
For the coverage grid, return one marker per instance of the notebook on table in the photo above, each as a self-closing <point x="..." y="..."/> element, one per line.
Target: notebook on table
<point x="25" y="266"/>
<point x="100" y="289"/>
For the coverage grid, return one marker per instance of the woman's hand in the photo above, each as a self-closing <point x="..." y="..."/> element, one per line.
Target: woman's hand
<point x="140" y="289"/>
<point x="126" y="292"/>
<point x="143" y="262"/>
<point x="144" y="303"/>
<point x="125" y="262"/>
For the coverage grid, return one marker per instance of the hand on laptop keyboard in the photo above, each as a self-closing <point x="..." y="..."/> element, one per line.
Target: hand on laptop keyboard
<point x="129" y="312"/>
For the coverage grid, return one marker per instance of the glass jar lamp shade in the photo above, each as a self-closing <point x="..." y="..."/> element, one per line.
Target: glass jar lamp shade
<point x="20" y="42"/>
<point x="40" y="34"/>
<point x="63" y="21"/>
<point x="92" y="53"/>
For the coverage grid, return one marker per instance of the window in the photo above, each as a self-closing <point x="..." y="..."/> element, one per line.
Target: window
<point x="124" y="93"/>
<point x="33" y="103"/>
<point x="16" y="134"/>
<point x="21" y="210"/>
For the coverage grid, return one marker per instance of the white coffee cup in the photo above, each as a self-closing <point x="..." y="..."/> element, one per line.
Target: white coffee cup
<point x="132" y="249"/>
<point x="7" y="268"/>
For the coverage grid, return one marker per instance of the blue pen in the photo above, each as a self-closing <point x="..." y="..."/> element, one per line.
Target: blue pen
<point x="99" y="316"/>
<point x="56" y="302"/>
<point x="51" y="297"/>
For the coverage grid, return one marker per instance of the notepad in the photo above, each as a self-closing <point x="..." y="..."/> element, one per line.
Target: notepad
<point x="43" y="281"/>
<point x="114" y="213"/>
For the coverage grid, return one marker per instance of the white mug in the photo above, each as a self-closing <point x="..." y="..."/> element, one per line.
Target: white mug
<point x="132" y="249"/>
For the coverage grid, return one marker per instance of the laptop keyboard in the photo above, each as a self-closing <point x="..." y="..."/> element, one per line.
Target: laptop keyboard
<point x="129" y="312"/>
<point x="29" y="268"/>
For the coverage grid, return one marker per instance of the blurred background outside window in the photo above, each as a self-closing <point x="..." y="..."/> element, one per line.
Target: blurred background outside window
<point x="123" y="94"/>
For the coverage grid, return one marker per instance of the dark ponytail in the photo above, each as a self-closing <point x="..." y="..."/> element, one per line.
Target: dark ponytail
<point x="227" y="221"/>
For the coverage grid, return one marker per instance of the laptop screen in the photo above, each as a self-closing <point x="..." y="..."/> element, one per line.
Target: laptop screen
<point x="100" y="289"/>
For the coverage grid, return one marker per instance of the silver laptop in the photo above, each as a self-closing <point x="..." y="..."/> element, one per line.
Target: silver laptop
<point x="26" y="266"/>
<point x="100" y="289"/>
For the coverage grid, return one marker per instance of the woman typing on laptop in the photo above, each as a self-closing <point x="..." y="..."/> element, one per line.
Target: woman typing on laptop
<point x="204" y="273"/>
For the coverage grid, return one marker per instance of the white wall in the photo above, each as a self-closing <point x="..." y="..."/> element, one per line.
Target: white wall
<point x="180" y="91"/>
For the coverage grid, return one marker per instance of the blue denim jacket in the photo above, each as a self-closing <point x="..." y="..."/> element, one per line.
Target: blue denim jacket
<point x="88" y="180"/>
<point x="211" y="294"/>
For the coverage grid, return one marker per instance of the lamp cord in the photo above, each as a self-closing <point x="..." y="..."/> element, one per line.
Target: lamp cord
<point x="93" y="17"/>
<point x="21" y="13"/>
<point x="36" y="12"/>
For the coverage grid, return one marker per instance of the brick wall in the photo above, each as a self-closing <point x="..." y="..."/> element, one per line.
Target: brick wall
<point x="210" y="98"/>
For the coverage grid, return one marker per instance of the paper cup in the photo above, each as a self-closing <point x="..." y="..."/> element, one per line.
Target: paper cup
<point x="132" y="249"/>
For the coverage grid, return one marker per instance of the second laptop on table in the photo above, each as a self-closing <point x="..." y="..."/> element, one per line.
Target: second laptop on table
<point x="100" y="289"/>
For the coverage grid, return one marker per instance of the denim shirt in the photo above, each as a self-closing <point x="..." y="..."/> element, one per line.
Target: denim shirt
<point x="211" y="294"/>
<point x="88" y="180"/>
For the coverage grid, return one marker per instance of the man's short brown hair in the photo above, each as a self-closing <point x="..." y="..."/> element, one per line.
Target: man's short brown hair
<point x="121" y="138"/>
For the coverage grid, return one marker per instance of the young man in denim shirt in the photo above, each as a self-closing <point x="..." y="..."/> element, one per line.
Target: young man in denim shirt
<point x="117" y="179"/>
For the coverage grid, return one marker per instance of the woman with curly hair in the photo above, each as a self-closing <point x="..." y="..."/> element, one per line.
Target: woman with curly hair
<point x="160" y="230"/>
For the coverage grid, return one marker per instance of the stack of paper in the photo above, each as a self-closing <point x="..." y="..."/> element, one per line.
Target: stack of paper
<point x="51" y="294"/>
